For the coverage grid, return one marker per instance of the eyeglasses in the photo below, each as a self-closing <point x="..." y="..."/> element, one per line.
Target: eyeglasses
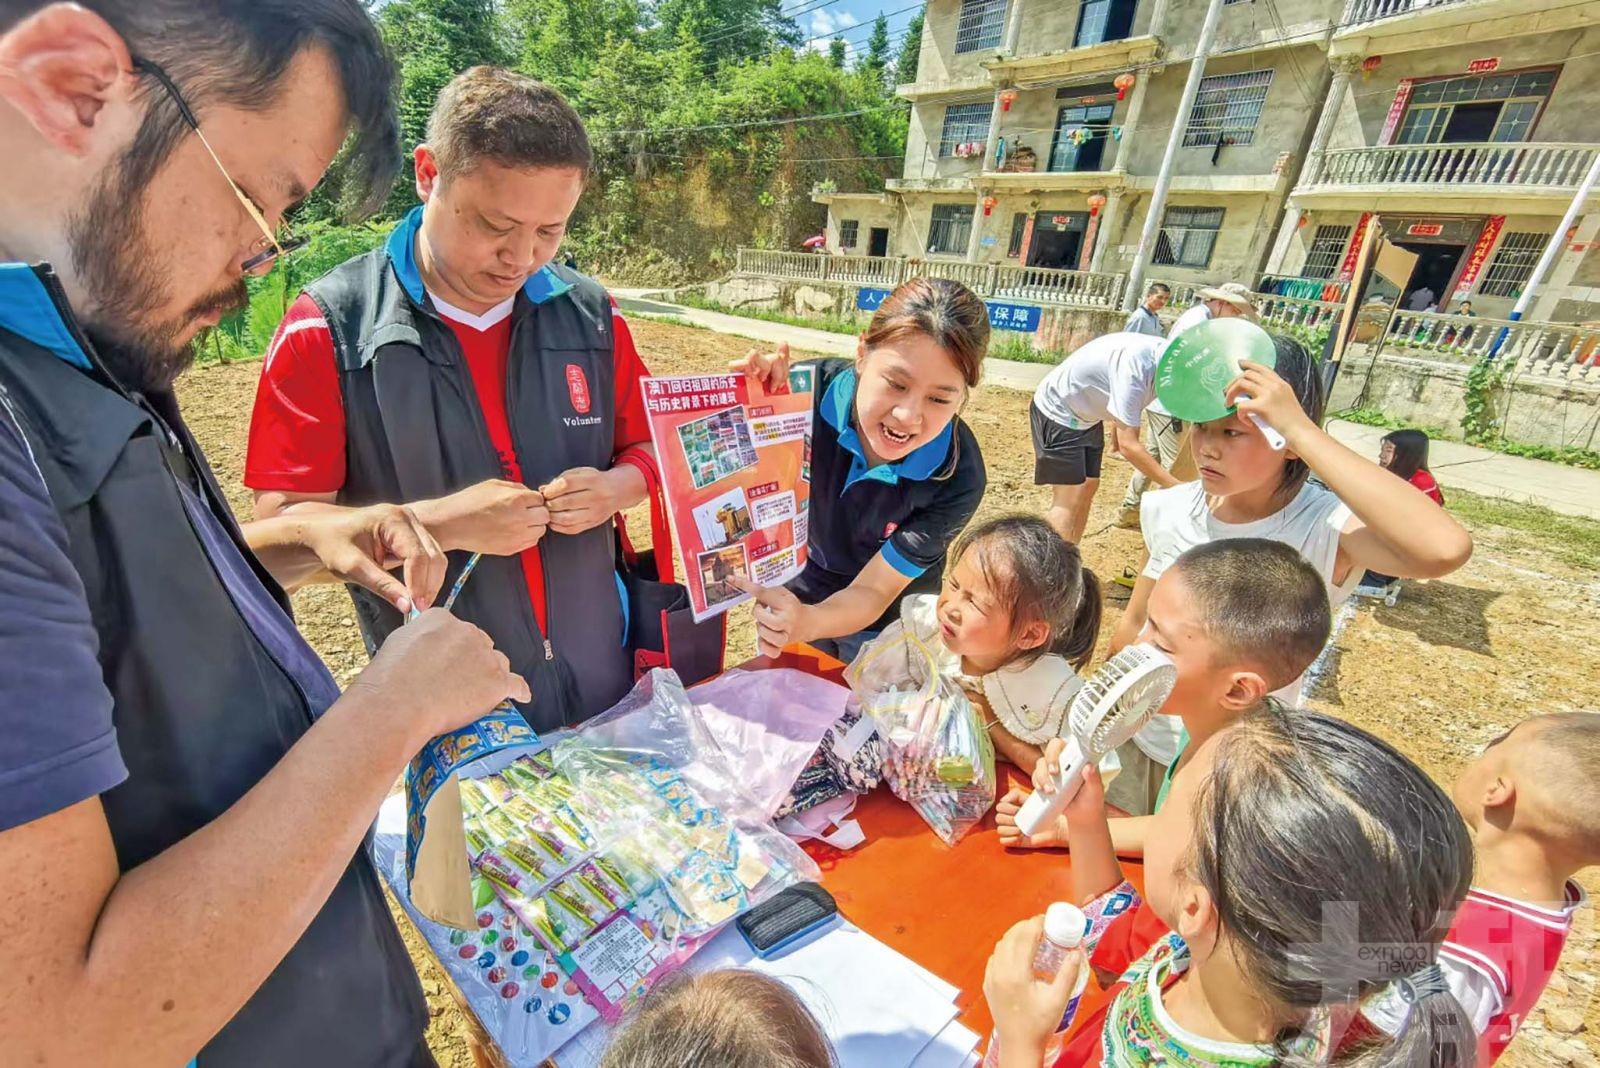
<point x="278" y="245"/>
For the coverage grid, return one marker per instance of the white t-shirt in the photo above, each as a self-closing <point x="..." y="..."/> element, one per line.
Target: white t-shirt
<point x="1112" y="377"/>
<point x="1177" y="519"/>
<point x="1193" y="317"/>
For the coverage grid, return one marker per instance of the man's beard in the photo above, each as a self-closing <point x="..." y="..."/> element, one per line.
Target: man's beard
<point x="110" y="253"/>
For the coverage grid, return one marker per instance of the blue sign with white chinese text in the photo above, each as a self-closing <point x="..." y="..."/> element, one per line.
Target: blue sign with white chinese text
<point x="1023" y="318"/>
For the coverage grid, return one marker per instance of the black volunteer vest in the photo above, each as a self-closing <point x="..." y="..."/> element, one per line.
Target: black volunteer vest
<point x="202" y="710"/>
<point x="415" y="431"/>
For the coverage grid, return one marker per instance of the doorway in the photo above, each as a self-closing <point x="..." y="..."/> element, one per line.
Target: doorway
<point x="1471" y="122"/>
<point x="1435" y="270"/>
<point x="1080" y="138"/>
<point x="1057" y="239"/>
<point x="878" y="241"/>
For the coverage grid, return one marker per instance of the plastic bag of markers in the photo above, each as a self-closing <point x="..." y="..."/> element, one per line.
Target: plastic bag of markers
<point x="939" y="759"/>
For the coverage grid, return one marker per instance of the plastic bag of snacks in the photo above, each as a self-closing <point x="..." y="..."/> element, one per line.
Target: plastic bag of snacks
<point x="939" y="756"/>
<point x="626" y="844"/>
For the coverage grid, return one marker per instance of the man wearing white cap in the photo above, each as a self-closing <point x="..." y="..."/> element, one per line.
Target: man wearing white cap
<point x="1216" y="302"/>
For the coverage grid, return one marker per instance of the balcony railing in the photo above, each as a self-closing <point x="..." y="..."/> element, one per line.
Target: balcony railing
<point x="1517" y="165"/>
<point x="1271" y="310"/>
<point x="1557" y="353"/>
<point x="1040" y="285"/>
<point x="1359" y="11"/>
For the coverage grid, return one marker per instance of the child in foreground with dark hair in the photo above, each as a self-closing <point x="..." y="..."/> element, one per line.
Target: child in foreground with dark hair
<point x="1530" y="800"/>
<point x="1238" y="619"/>
<point x="1016" y="620"/>
<point x="1272" y="820"/>
<point x="722" y="1019"/>
<point x="1363" y="518"/>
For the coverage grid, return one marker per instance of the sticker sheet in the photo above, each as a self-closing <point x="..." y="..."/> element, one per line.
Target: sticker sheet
<point x="736" y="469"/>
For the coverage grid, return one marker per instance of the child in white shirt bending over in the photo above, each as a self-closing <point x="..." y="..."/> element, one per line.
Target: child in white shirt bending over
<point x="1017" y="619"/>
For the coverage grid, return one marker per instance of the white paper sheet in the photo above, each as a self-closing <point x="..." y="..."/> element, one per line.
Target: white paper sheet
<point x="878" y="1008"/>
<point x="954" y="1047"/>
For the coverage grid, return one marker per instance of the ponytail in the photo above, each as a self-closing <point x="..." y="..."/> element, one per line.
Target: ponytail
<point x="1077" y="641"/>
<point x="1434" y="1033"/>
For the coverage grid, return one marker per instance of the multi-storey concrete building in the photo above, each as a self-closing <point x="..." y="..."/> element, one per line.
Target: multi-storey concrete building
<point x="1038" y="128"/>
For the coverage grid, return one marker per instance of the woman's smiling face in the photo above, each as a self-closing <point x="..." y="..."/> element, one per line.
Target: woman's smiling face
<point x="907" y="391"/>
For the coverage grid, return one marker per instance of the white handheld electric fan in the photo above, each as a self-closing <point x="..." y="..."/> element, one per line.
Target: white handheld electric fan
<point x="1110" y="709"/>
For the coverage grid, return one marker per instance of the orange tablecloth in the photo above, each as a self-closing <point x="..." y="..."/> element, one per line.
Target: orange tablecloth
<point x="943" y="906"/>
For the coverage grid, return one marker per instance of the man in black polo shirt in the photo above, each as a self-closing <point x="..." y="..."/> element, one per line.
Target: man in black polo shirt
<point x="184" y="793"/>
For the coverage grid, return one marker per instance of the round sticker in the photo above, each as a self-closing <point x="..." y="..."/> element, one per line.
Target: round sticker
<point x="1199" y="364"/>
<point x="467" y="952"/>
<point x="559" y="1013"/>
<point x="485" y="919"/>
<point x="533" y="1005"/>
<point x="509" y="991"/>
<point x="531" y="972"/>
<point x="486" y="960"/>
<point x="519" y="958"/>
<point x="549" y="980"/>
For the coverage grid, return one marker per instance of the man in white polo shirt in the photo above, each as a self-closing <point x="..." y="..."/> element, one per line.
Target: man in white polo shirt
<point x="1109" y="380"/>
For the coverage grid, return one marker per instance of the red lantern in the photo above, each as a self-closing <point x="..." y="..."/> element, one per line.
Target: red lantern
<point x="1368" y="65"/>
<point x="1124" y="82"/>
<point x="1008" y="98"/>
<point x="1096" y="202"/>
<point x="988" y="204"/>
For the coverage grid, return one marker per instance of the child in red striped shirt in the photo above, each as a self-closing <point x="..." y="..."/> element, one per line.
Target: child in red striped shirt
<point x="1530" y="801"/>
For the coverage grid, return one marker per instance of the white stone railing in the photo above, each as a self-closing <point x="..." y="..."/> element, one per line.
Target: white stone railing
<point x="1359" y="11"/>
<point x="1550" y="352"/>
<point x="1041" y="285"/>
<point x="1271" y="310"/>
<point x="1516" y="165"/>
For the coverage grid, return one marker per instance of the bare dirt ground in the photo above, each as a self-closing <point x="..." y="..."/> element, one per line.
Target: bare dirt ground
<point x="1451" y="666"/>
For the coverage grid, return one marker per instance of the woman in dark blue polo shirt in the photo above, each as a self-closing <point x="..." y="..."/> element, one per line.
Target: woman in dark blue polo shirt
<point x="895" y="473"/>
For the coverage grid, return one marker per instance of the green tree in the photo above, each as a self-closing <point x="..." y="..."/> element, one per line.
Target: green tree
<point x="433" y="41"/>
<point x="837" y="53"/>
<point x="727" y="30"/>
<point x="905" y="67"/>
<point x="561" y="41"/>
<point x="875" y="63"/>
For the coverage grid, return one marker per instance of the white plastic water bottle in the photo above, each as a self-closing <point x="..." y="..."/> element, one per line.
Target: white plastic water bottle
<point x="1064" y="928"/>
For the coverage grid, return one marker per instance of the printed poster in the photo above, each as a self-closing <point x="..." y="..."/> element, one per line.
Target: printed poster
<point x="736" y="470"/>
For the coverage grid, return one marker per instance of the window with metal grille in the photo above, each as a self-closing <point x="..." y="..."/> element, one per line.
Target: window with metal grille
<point x="950" y="228"/>
<point x="1512" y="264"/>
<point x="1188" y="237"/>
<point x="1228" y="106"/>
<point x="1019" y="226"/>
<point x="1327" y="251"/>
<point x="849" y="229"/>
<point x="966" y="130"/>
<point x="981" y="24"/>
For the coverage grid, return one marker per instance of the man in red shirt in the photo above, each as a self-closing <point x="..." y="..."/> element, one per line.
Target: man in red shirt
<point x="461" y="372"/>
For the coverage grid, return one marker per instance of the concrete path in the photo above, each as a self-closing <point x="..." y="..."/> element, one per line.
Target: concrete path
<point x="1569" y="490"/>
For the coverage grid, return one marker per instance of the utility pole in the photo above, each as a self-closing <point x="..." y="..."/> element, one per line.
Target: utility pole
<point x="1180" y="123"/>
<point x="1553" y="247"/>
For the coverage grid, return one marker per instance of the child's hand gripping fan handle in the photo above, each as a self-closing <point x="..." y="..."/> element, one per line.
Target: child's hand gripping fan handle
<point x="1053" y="792"/>
<point x="1275" y="439"/>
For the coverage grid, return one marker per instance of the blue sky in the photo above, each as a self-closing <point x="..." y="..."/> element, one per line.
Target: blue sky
<point x="851" y="19"/>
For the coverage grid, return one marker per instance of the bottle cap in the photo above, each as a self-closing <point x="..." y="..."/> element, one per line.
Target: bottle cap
<point x="1065" y="924"/>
